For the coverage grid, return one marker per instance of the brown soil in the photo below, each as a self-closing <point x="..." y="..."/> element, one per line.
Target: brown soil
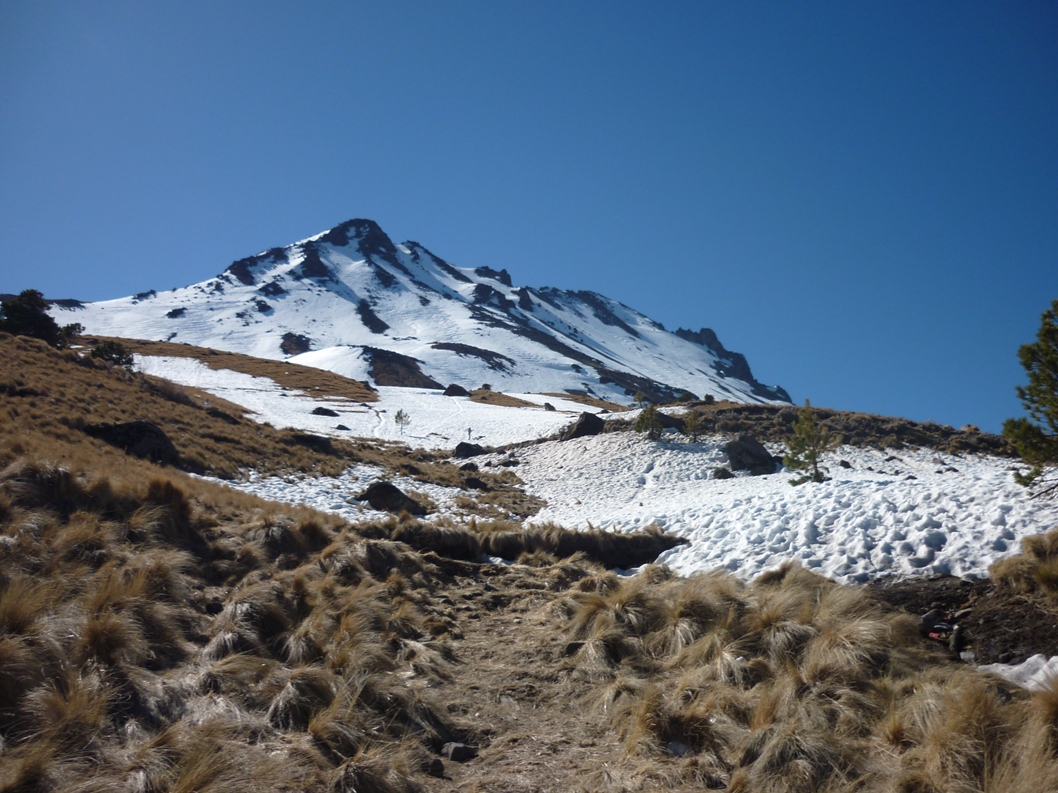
<point x="1003" y="626"/>
<point x="591" y="401"/>
<point x="498" y="398"/>
<point x="513" y="685"/>
<point x="317" y="383"/>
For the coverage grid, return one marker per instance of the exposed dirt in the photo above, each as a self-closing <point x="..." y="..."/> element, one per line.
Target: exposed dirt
<point x="497" y="398"/>
<point x="1003" y="626"/>
<point x="512" y="685"/>
<point x="314" y="382"/>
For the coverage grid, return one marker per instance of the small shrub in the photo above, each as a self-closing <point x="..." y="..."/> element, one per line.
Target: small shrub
<point x="692" y="426"/>
<point x="113" y="352"/>
<point x="649" y="421"/>
<point x="807" y="444"/>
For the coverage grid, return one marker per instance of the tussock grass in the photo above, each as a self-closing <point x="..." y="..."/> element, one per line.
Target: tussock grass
<point x="795" y="683"/>
<point x="1036" y="569"/>
<point x="156" y="640"/>
<point x="532" y="544"/>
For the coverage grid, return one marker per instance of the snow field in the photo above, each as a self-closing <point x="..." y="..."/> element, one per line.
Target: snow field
<point x="437" y="421"/>
<point x="912" y="515"/>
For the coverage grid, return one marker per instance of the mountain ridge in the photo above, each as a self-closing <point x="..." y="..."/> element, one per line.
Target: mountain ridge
<point x="335" y="299"/>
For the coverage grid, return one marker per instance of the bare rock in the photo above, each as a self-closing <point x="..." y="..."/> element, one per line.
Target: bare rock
<point x="387" y="497"/>
<point x="139" y="438"/>
<point x="456" y="390"/>
<point x="587" y="424"/>
<point x="322" y="411"/>
<point x="746" y="453"/>
<point x="459" y="752"/>
<point x="464" y="449"/>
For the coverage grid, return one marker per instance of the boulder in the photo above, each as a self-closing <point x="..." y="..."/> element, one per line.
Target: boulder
<point x="476" y="483"/>
<point x="459" y="752"/>
<point x="746" y="453"/>
<point x="468" y="467"/>
<point x="387" y="497"/>
<point x="321" y="411"/>
<point x="464" y="450"/>
<point x="549" y="407"/>
<point x="456" y="390"/>
<point x="723" y="473"/>
<point x="139" y="438"/>
<point x="586" y="424"/>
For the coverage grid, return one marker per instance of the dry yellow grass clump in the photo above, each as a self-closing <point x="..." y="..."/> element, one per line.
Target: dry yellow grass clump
<point x="794" y="683"/>
<point x="1036" y="569"/>
<point x="150" y="643"/>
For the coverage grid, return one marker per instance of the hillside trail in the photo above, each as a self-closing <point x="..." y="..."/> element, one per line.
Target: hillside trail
<point x="512" y="685"/>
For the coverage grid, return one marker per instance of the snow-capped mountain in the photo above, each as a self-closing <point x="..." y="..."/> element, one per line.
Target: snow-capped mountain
<point x="351" y="301"/>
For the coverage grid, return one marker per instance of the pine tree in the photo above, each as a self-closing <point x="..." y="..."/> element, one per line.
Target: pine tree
<point x="27" y="315"/>
<point x="402" y="420"/>
<point x="649" y="421"/>
<point x="692" y="425"/>
<point x="805" y="446"/>
<point x="1036" y="440"/>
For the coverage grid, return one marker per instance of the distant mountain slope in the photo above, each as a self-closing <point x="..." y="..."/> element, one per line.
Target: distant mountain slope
<point x="351" y="301"/>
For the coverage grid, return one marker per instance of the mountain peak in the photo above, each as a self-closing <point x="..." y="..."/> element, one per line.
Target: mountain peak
<point x="350" y="291"/>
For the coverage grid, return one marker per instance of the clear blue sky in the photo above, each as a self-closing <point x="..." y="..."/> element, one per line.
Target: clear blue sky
<point x="861" y="197"/>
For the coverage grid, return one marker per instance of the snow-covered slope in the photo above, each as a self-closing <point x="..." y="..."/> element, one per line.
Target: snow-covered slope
<point x="351" y="301"/>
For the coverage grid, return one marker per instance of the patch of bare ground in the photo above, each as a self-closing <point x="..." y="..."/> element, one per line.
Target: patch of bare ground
<point x="591" y="401"/>
<point x="318" y="383"/>
<point x="488" y="397"/>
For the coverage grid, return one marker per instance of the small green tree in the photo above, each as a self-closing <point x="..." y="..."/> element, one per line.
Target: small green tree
<point x="27" y="315"/>
<point x="114" y="352"/>
<point x="692" y="425"/>
<point x="806" y="445"/>
<point x="640" y="399"/>
<point x="649" y="421"/>
<point x="402" y="420"/>
<point x="1036" y="440"/>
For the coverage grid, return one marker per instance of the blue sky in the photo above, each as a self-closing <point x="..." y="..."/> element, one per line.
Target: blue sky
<point x="861" y="197"/>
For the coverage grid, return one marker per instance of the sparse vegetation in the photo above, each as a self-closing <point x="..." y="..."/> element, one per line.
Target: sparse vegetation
<point x="692" y="425"/>
<point x="649" y="422"/>
<point x="1036" y="569"/>
<point x="402" y="420"/>
<point x="1036" y="438"/>
<point x="159" y="632"/>
<point x="113" y="352"/>
<point x="806" y="445"/>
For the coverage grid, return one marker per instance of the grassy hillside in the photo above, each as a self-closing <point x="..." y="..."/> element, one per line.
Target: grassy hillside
<point x="160" y="632"/>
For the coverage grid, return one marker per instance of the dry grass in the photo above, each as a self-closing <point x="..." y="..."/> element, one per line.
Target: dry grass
<point x="50" y="397"/>
<point x="318" y="383"/>
<point x="154" y="641"/>
<point x="794" y="683"/>
<point x="1036" y="569"/>
<point x="591" y="401"/>
<point x="489" y="397"/>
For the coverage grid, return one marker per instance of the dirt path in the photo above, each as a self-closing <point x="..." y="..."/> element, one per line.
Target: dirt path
<point x="510" y="685"/>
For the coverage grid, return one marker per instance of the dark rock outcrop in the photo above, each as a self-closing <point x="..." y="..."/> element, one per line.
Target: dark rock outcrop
<point x="139" y="438"/>
<point x="587" y="424"/>
<point x="464" y="450"/>
<point x="387" y="497"/>
<point x="454" y="390"/>
<point x="746" y="453"/>
<point x="322" y="411"/>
